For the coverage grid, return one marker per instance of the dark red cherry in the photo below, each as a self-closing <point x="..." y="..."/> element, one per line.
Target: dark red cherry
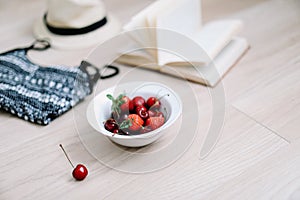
<point x="138" y="101"/>
<point x="153" y="103"/>
<point x="80" y="172"/>
<point x="138" y="108"/>
<point x="142" y="112"/>
<point x="111" y="125"/>
<point x="116" y="131"/>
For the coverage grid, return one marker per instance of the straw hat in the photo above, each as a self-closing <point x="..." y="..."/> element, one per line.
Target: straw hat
<point x="73" y="24"/>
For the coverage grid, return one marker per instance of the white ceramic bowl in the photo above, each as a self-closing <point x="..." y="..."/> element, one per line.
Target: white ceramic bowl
<point x="99" y="110"/>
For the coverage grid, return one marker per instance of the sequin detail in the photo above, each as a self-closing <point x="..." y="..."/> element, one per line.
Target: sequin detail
<point x="39" y="94"/>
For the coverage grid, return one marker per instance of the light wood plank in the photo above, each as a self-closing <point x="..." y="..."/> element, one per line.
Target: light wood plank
<point x="268" y="76"/>
<point x="242" y="145"/>
<point x="280" y="174"/>
<point x="249" y="161"/>
<point x="132" y="7"/>
<point x="38" y="169"/>
<point x="214" y="9"/>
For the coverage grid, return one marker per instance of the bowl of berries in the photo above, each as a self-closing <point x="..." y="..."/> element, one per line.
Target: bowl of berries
<point x="134" y="114"/>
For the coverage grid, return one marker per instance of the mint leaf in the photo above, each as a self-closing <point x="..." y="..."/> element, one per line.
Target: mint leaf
<point x="120" y="97"/>
<point x="125" y="124"/>
<point x="110" y="97"/>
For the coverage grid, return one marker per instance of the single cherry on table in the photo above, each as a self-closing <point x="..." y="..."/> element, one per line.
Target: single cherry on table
<point x="80" y="171"/>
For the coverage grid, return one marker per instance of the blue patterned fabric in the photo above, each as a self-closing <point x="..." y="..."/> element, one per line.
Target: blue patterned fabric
<point x="39" y="94"/>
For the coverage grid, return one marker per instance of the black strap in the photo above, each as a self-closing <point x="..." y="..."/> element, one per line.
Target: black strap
<point x="94" y="72"/>
<point x="75" y="31"/>
<point x="39" y="45"/>
<point x="114" y="73"/>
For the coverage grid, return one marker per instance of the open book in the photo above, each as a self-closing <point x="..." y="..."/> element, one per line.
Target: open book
<point x="175" y="42"/>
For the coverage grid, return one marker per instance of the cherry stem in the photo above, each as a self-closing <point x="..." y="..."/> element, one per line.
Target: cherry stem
<point x="159" y="98"/>
<point x="66" y="155"/>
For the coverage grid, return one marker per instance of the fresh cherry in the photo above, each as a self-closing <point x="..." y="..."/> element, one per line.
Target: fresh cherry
<point x="138" y="108"/>
<point x="80" y="171"/>
<point x="142" y="112"/>
<point x="136" y="116"/>
<point x="111" y="125"/>
<point x="138" y="101"/>
<point x="116" y="131"/>
<point x="153" y="102"/>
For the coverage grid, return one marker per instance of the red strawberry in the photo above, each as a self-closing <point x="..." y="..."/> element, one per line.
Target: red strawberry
<point x="155" y="122"/>
<point x="127" y="104"/>
<point x="145" y="129"/>
<point x="153" y="113"/>
<point x="136" y="122"/>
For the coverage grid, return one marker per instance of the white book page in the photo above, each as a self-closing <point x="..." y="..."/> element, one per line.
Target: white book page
<point x="224" y="60"/>
<point x="214" y="36"/>
<point x="151" y="17"/>
<point x="181" y="16"/>
<point x="139" y="21"/>
<point x="182" y="20"/>
<point x="134" y="29"/>
<point x="208" y="74"/>
<point x="212" y="73"/>
<point x="204" y="46"/>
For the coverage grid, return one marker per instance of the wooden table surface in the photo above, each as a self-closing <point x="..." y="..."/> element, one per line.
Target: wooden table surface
<point x="256" y="157"/>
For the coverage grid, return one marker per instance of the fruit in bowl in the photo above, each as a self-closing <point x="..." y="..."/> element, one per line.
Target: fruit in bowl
<point x="136" y="117"/>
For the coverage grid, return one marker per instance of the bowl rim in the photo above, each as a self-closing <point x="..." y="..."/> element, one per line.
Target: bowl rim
<point x="150" y="134"/>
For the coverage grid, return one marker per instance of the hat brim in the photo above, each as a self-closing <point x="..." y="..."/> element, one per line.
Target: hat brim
<point x="91" y="39"/>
